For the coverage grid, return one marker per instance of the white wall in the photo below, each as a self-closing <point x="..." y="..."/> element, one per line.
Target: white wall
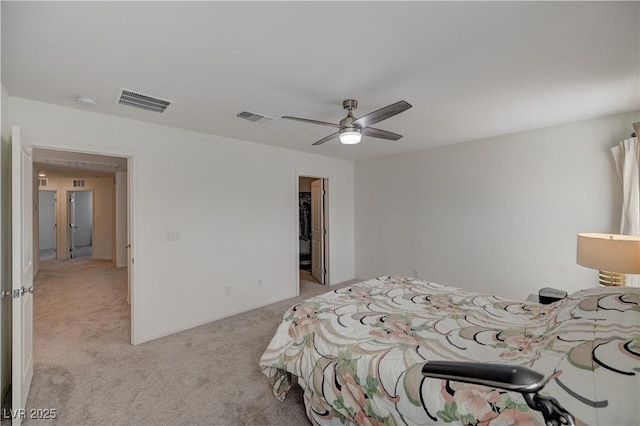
<point x="498" y="215"/>
<point x="234" y="202"/>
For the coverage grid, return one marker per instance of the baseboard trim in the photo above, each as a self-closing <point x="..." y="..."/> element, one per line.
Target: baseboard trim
<point x="251" y="307"/>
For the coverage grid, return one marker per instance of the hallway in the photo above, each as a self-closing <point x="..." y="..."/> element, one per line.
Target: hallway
<point x="80" y="314"/>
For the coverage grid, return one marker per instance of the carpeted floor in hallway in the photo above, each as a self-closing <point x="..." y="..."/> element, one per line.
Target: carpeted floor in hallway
<point x="87" y="370"/>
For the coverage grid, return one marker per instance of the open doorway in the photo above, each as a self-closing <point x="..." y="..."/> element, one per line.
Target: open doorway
<point x="91" y="218"/>
<point x="312" y="231"/>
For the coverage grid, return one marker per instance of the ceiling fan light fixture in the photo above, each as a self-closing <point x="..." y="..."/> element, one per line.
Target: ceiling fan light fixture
<point x="350" y="136"/>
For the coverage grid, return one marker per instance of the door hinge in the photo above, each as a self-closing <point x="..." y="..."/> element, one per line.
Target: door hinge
<point x="15" y="293"/>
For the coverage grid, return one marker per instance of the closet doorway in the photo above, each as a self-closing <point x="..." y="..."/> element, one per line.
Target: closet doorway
<point x="313" y="224"/>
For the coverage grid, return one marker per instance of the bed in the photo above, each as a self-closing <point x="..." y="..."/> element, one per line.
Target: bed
<point x="357" y="353"/>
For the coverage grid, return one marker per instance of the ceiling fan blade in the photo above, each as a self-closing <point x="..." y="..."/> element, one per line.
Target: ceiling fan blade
<point x="306" y="120"/>
<point x="328" y="138"/>
<point x="382" y="134"/>
<point x="382" y="114"/>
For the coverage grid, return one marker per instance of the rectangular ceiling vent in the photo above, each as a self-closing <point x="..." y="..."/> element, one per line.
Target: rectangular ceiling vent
<point x="139" y="100"/>
<point x="79" y="183"/>
<point x="252" y="116"/>
<point x="43" y="181"/>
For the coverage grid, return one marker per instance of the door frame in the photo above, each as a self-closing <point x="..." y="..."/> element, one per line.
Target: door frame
<point x="132" y="196"/>
<point x="327" y="263"/>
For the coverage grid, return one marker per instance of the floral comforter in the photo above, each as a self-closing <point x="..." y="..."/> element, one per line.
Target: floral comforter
<point x="357" y="352"/>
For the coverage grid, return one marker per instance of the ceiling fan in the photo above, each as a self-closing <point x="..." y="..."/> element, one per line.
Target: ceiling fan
<point x="352" y="129"/>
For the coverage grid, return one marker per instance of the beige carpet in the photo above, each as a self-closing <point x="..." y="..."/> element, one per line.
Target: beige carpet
<point x="86" y="369"/>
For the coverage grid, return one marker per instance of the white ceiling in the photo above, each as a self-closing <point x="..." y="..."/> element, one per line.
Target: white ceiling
<point x="470" y="69"/>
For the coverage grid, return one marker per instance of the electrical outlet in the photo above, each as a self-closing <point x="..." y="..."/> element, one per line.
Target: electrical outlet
<point x="227" y="290"/>
<point x="259" y="282"/>
<point x="416" y="273"/>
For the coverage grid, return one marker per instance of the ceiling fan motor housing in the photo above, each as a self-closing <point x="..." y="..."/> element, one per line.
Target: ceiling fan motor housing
<point x="350" y="104"/>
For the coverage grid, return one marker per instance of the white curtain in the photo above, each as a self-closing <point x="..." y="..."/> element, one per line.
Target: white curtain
<point x="626" y="156"/>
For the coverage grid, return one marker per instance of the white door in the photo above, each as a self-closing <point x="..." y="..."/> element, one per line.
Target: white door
<point x="22" y="271"/>
<point x="317" y="230"/>
<point x="71" y="211"/>
<point x="48" y="223"/>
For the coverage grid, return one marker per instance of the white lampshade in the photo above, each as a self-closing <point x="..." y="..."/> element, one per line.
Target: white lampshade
<point x="350" y="137"/>
<point x="609" y="252"/>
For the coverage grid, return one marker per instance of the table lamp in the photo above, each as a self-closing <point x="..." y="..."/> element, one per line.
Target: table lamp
<point x="612" y="254"/>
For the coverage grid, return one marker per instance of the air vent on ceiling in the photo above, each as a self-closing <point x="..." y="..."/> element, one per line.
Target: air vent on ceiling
<point x="79" y="183"/>
<point x="43" y="181"/>
<point x="252" y="116"/>
<point x="139" y="100"/>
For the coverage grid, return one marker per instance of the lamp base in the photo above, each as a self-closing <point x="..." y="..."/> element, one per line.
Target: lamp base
<point x="611" y="279"/>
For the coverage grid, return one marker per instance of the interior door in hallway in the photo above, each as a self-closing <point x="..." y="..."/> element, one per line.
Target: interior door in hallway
<point x="71" y="211"/>
<point x="48" y="224"/>
<point x="22" y="271"/>
<point x="80" y="212"/>
<point x="318" y="231"/>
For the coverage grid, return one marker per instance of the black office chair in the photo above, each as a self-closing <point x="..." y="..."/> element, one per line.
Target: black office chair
<point x="512" y="378"/>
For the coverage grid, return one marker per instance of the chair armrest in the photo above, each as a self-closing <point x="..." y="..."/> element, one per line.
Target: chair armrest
<point x="509" y="377"/>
